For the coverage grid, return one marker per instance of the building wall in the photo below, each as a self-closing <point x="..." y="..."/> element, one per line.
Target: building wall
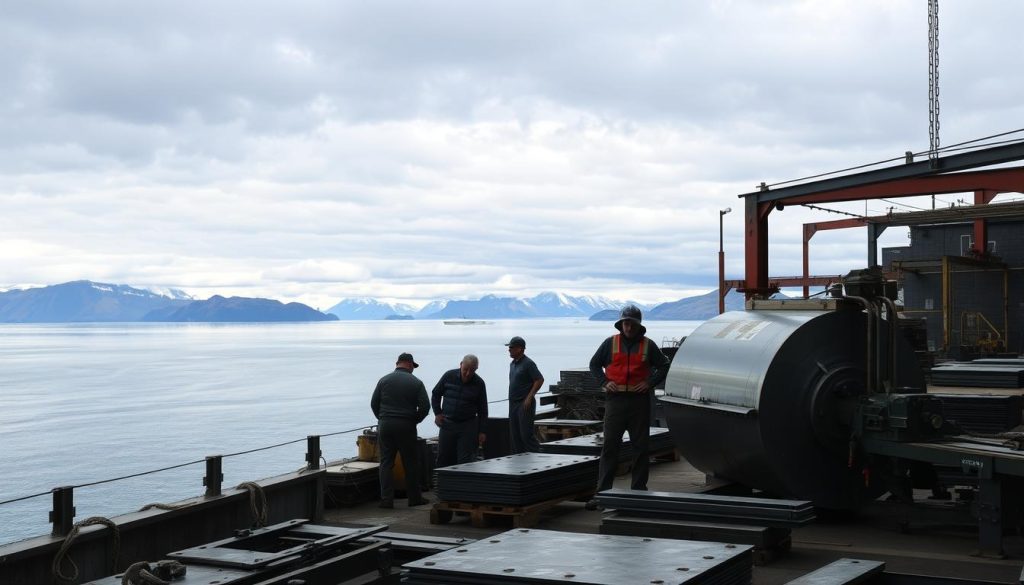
<point x="973" y="289"/>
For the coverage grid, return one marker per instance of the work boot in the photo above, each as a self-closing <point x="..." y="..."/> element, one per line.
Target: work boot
<point x="386" y="504"/>
<point x="418" y="502"/>
<point x="592" y="504"/>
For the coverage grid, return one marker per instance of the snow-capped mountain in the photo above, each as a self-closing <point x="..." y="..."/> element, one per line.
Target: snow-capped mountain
<point x="362" y="308"/>
<point x="82" y="301"/>
<point x="546" y="304"/>
<point x="555" y="304"/>
<point x="430" y="308"/>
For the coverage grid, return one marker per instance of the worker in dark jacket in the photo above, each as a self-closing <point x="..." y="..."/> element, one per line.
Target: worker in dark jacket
<point x="524" y="380"/>
<point x="627" y="366"/>
<point x="400" y="403"/>
<point x="459" y="401"/>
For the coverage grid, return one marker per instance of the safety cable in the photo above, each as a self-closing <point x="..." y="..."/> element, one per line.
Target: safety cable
<point x="960" y="146"/>
<point x="162" y="469"/>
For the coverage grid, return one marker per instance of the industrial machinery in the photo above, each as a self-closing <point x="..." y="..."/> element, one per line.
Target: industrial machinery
<point x="823" y="400"/>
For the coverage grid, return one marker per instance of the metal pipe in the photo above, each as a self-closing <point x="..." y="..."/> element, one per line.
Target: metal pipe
<point x="890" y="307"/>
<point x="870" y="374"/>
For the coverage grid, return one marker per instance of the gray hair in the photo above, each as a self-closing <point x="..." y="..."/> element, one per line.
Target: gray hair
<point x="471" y="360"/>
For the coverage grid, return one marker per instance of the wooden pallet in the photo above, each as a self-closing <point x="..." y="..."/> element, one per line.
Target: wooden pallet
<point x="481" y="515"/>
<point x="554" y="433"/>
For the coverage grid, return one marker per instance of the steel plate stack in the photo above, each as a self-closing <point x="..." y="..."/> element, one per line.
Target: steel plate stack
<point x="517" y="480"/>
<point x="710" y="507"/>
<point x="577" y="381"/>
<point x="548" y="557"/>
<point x="982" y="414"/>
<point x="979" y="375"/>
<point x="661" y="439"/>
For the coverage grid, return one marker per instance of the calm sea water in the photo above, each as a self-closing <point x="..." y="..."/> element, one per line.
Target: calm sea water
<point x="84" y="403"/>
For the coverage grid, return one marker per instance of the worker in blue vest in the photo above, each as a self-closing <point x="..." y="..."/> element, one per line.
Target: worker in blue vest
<point x="627" y="366"/>
<point x="459" y="401"/>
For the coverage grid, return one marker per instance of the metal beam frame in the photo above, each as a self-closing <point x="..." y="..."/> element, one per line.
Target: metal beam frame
<point x="913" y="179"/>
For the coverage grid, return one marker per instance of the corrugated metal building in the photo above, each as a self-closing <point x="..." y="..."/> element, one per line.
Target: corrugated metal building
<point x="982" y="304"/>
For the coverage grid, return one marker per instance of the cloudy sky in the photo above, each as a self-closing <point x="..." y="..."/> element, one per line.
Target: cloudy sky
<point x="315" y="150"/>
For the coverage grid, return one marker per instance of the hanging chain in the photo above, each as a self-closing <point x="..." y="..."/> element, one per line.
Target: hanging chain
<point x="933" y="79"/>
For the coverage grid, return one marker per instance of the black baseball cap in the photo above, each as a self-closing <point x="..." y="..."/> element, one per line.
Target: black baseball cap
<point x="516" y="342"/>
<point x="407" y="357"/>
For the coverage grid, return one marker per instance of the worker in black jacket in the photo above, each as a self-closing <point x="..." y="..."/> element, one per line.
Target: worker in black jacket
<point x="400" y="403"/>
<point x="459" y="401"/>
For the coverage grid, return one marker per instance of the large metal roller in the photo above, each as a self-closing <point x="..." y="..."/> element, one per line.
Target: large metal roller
<point x="766" y="398"/>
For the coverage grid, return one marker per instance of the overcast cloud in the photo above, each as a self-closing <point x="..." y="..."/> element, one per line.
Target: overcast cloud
<point x="313" y="150"/>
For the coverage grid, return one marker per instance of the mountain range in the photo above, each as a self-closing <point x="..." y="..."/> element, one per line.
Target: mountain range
<point x="84" y="301"/>
<point x="87" y="301"/>
<point x="546" y="304"/>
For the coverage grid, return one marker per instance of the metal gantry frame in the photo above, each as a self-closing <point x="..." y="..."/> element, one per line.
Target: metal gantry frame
<point x="943" y="175"/>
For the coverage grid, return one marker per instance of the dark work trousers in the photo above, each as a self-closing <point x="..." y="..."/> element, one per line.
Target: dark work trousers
<point x="520" y="427"/>
<point x="625" y="412"/>
<point x="398" y="435"/>
<point x="457" y="442"/>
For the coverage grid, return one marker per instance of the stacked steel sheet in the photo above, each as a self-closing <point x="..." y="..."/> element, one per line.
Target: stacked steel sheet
<point x="710" y="507"/>
<point x="979" y="375"/>
<point x="517" y="480"/>
<point x="763" y="523"/>
<point x="548" y="557"/>
<point x="579" y="380"/>
<point x="982" y="414"/>
<point x="568" y="422"/>
<point x="661" y="439"/>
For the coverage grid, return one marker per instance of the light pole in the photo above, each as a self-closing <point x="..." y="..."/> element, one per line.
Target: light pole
<point x="721" y="262"/>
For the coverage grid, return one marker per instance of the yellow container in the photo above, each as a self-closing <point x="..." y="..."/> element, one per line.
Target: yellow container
<point x="368" y="445"/>
<point x="369" y="449"/>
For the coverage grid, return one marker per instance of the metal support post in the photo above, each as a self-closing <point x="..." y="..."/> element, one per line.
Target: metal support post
<point x="990" y="518"/>
<point x="721" y="261"/>
<point x="214" y="477"/>
<point x="63" y="514"/>
<point x="313" y="452"/>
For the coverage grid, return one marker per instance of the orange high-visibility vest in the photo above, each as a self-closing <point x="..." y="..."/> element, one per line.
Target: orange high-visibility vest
<point x="627" y="369"/>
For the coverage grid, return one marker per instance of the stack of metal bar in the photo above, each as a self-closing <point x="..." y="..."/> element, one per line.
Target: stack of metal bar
<point x="979" y="375"/>
<point x="764" y="523"/>
<point x="982" y="414"/>
<point x="548" y="557"/>
<point x="517" y="480"/>
<point x="661" y="440"/>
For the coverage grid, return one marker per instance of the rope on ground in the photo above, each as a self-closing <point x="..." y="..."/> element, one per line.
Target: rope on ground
<point x="159" y="506"/>
<point x="161" y="573"/>
<point x="257" y="502"/>
<point x="62" y="554"/>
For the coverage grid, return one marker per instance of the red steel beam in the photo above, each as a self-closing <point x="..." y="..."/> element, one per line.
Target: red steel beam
<point x="756" y="247"/>
<point x="812" y="228"/>
<point x="1002" y="180"/>
<point x="985" y="185"/>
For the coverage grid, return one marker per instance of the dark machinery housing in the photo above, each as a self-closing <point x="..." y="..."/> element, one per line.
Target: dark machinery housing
<point x="780" y="396"/>
<point x="823" y="399"/>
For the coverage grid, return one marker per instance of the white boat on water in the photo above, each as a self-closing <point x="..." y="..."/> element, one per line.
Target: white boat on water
<point x="467" y="322"/>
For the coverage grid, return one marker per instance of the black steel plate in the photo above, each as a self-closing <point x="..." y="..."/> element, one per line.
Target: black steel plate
<point x="544" y="556"/>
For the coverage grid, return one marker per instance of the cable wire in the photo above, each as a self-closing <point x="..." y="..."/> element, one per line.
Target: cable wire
<point x="180" y="465"/>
